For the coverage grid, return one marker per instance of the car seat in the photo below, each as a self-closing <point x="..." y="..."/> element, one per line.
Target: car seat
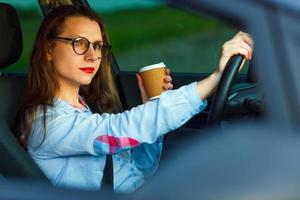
<point x="15" y="162"/>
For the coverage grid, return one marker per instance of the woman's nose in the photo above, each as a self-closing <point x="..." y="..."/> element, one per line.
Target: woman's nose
<point x="91" y="55"/>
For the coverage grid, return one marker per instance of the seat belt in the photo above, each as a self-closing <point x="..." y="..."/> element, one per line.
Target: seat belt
<point x="108" y="175"/>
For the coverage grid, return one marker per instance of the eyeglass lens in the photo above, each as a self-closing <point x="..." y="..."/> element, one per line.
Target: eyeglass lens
<point x="81" y="46"/>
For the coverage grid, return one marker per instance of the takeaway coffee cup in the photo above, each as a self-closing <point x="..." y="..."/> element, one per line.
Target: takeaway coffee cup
<point x="153" y="79"/>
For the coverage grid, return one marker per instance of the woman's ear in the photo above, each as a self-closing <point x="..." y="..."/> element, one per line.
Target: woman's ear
<point x="49" y="52"/>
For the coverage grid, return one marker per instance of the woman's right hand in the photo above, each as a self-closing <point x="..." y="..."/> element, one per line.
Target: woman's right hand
<point x="167" y="85"/>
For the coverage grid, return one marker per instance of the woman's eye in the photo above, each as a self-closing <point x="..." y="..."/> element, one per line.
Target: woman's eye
<point x="98" y="46"/>
<point x="78" y="43"/>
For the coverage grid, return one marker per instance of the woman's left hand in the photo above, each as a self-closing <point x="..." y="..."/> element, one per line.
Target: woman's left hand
<point x="242" y="43"/>
<point x="167" y="85"/>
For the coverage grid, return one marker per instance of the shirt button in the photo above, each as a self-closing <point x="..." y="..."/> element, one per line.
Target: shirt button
<point x="131" y="169"/>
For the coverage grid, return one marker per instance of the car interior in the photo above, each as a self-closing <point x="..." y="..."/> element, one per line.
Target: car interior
<point x="238" y="96"/>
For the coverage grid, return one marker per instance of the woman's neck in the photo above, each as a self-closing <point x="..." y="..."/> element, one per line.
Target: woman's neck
<point x="70" y="94"/>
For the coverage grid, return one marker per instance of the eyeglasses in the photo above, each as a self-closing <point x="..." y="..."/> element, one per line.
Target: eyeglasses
<point x="81" y="45"/>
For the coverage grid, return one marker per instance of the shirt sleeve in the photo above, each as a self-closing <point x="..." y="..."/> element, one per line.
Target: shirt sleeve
<point x="84" y="133"/>
<point x="132" y="168"/>
<point x="146" y="157"/>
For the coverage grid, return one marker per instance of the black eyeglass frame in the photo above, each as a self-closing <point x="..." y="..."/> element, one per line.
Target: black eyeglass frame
<point x="108" y="47"/>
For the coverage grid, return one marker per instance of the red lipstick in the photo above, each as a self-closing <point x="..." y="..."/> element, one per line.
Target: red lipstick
<point x="88" y="70"/>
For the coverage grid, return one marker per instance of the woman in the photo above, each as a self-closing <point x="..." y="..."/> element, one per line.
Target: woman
<point x="70" y="76"/>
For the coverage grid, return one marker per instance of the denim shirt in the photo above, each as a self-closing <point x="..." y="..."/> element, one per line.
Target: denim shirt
<point x="72" y="150"/>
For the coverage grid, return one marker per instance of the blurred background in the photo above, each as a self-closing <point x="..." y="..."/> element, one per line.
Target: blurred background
<point x="143" y="32"/>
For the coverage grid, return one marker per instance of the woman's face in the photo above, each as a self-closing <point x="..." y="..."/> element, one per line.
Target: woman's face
<point x="76" y="70"/>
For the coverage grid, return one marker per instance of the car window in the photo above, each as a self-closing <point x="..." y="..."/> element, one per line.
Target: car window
<point x="30" y="17"/>
<point x="143" y="32"/>
<point x="147" y="32"/>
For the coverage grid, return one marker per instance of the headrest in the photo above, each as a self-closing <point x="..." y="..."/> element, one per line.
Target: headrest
<point x="11" y="43"/>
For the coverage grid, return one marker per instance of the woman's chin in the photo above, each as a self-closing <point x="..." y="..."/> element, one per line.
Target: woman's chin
<point x="85" y="81"/>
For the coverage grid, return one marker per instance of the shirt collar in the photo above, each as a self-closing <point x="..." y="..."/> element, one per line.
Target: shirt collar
<point x="63" y="103"/>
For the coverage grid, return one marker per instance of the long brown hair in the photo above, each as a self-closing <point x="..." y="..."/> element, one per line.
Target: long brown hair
<point x="101" y="94"/>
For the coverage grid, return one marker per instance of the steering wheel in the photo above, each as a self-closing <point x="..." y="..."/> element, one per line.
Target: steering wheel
<point x="220" y="98"/>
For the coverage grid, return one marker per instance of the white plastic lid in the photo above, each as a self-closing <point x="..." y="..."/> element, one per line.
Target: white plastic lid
<point x="154" y="66"/>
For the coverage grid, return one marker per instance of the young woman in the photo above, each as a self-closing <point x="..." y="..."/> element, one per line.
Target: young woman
<point x="71" y="117"/>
